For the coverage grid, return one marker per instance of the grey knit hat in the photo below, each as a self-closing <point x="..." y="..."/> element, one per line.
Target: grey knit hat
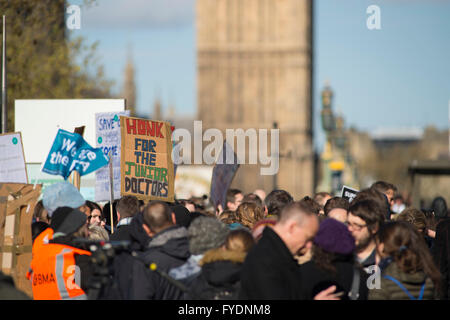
<point x="206" y="233"/>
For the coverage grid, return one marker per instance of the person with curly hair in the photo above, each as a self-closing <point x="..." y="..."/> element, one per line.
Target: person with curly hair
<point x="418" y="219"/>
<point x="248" y="214"/>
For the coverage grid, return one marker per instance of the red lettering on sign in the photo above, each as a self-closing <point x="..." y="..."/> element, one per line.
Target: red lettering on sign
<point x="141" y="127"/>
<point x="131" y="128"/>
<point x="150" y="128"/>
<point x="158" y="130"/>
<point x="145" y="128"/>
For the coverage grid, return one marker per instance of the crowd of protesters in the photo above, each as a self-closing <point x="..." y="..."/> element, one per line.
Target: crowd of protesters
<point x="258" y="247"/>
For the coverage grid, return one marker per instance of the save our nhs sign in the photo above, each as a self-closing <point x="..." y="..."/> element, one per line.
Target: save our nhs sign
<point x="70" y="152"/>
<point x="107" y="127"/>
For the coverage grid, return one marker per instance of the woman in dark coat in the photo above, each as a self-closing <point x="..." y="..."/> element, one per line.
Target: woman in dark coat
<point x="333" y="263"/>
<point x="221" y="268"/>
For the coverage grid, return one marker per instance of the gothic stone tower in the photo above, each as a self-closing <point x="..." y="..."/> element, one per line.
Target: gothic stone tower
<point x="129" y="87"/>
<point x="255" y="69"/>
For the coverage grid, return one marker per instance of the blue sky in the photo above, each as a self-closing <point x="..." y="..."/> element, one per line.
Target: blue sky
<point x="398" y="76"/>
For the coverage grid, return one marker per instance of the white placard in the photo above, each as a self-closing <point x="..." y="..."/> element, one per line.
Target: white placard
<point x="348" y="193"/>
<point x="12" y="160"/>
<point x="39" y="120"/>
<point x="107" y="128"/>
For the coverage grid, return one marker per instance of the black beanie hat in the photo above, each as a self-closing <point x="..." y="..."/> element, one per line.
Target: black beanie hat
<point x="182" y="215"/>
<point x="67" y="220"/>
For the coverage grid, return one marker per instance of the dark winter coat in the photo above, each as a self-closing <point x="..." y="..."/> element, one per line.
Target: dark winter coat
<point x="389" y="290"/>
<point x="369" y="261"/>
<point x="220" y="276"/>
<point x="270" y="271"/>
<point x="314" y="279"/>
<point x="123" y="262"/>
<point x="122" y="233"/>
<point x="441" y="255"/>
<point x="168" y="249"/>
<point x="8" y="290"/>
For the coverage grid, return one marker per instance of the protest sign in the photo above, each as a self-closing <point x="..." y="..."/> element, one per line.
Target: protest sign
<point x="146" y="162"/>
<point x="12" y="159"/>
<point x="223" y="174"/>
<point x="17" y="202"/>
<point x="70" y="152"/>
<point x="348" y="193"/>
<point x="107" y="127"/>
<point x="176" y="157"/>
<point x="57" y="114"/>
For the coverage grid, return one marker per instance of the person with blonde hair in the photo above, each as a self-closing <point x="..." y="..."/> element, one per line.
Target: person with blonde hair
<point x="248" y="214"/>
<point x="98" y="233"/>
<point x="239" y="240"/>
<point x="221" y="267"/>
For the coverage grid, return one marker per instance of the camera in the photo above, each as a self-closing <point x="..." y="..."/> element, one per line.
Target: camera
<point x="101" y="282"/>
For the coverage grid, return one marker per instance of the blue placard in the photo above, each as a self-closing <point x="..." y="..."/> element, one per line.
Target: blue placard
<point x="70" y="152"/>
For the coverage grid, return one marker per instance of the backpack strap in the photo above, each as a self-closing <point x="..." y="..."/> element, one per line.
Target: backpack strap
<point x="354" y="293"/>
<point x="422" y="290"/>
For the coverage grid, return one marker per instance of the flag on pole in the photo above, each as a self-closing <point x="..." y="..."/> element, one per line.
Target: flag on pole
<point x="70" y="152"/>
<point x="223" y="174"/>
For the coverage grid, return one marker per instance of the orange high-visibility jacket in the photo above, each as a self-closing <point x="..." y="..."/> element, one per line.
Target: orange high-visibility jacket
<point x="43" y="238"/>
<point x="54" y="272"/>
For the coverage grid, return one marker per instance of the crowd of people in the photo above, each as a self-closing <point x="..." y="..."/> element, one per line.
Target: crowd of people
<point x="258" y="247"/>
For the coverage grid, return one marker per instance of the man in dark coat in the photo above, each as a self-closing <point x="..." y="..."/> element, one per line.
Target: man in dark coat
<point x="127" y="207"/>
<point x="270" y="270"/>
<point x="169" y="248"/>
<point x="123" y="262"/>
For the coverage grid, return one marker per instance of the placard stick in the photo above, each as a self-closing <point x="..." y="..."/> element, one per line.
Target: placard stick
<point x="76" y="178"/>
<point x="4" y="115"/>
<point x="111" y="190"/>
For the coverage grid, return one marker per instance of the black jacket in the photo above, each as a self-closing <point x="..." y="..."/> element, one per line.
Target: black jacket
<point x="122" y="233"/>
<point x="314" y="279"/>
<point x="369" y="261"/>
<point x="168" y="249"/>
<point x="441" y="255"/>
<point x="123" y="262"/>
<point x="220" y="276"/>
<point x="270" y="271"/>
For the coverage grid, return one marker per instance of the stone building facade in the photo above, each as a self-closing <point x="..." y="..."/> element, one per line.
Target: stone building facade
<point x="254" y="60"/>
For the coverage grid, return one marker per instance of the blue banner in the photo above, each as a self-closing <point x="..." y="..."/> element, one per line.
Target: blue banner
<point x="70" y="152"/>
